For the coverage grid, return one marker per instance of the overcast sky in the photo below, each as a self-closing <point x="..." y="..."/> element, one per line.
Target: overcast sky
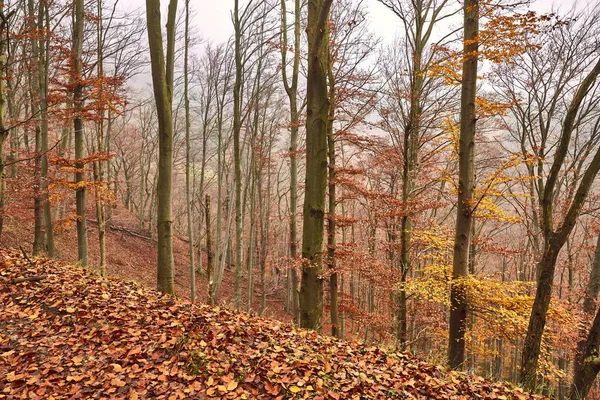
<point x="213" y="17"/>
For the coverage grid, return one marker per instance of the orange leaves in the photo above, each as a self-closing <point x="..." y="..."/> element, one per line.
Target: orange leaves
<point x="138" y="344"/>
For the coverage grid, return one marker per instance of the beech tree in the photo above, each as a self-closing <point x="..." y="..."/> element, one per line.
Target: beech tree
<point x="466" y="182"/>
<point x="317" y="113"/>
<point x="162" y="80"/>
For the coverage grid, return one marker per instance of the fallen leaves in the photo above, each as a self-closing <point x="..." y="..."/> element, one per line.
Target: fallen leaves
<point x="75" y="335"/>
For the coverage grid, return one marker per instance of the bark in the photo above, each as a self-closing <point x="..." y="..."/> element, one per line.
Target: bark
<point x="587" y="365"/>
<point x="3" y="131"/>
<point x="209" y="256"/>
<point x="80" y="192"/>
<point x="100" y="207"/>
<point x="237" y="125"/>
<point x="554" y="240"/>
<point x="292" y="92"/>
<point x="43" y="72"/>
<point x="38" y="229"/>
<point x="188" y="197"/>
<point x="331" y="243"/>
<point x="464" y="216"/>
<point x="311" y="290"/>
<point x="162" y="80"/>
<point x="584" y="369"/>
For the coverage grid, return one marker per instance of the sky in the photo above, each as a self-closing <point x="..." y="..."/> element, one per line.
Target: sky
<point x="214" y="16"/>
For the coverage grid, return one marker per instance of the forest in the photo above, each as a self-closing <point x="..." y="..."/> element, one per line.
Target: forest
<point x="433" y="193"/>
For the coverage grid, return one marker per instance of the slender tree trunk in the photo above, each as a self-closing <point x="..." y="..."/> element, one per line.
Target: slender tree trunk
<point x="188" y="197"/>
<point x="464" y="216"/>
<point x="3" y="131"/>
<point x="311" y="290"/>
<point x="80" y="192"/>
<point x="100" y="206"/>
<point x="43" y="72"/>
<point x="162" y="79"/>
<point x="292" y="92"/>
<point x="209" y="255"/>
<point x="331" y="242"/>
<point x="237" y="125"/>
<point x="34" y="95"/>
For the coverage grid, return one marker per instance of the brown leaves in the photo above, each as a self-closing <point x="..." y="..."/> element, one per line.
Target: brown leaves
<point x="95" y="338"/>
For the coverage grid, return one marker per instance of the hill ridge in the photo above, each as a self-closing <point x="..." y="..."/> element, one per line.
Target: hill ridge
<point x="67" y="333"/>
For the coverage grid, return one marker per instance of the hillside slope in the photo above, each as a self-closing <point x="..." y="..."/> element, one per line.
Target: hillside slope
<point x="130" y="255"/>
<point x="66" y="333"/>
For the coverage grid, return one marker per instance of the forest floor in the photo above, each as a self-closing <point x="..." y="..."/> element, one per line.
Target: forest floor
<point x="131" y="254"/>
<point x="65" y="332"/>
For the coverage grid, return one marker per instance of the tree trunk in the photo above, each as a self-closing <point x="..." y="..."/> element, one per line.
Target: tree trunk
<point x="331" y="243"/>
<point x="292" y="92"/>
<point x="43" y="72"/>
<point x="585" y="368"/>
<point x="188" y="197"/>
<point x="554" y="240"/>
<point x="209" y="256"/>
<point x="100" y="206"/>
<point x="34" y="95"/>
<point x="464" y="216"/>
<point x="237" y="126"/>
<point x="3" y="131"/>
<point x="162" y="79"/>
<point x="311" y="291"/>
<point x="80" y="192"/>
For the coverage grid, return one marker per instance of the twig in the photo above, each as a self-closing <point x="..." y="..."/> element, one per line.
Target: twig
<point x="35" y="278"/>
<point x="31" y="263"/>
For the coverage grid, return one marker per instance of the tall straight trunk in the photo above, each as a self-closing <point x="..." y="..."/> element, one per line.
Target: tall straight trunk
<point x="237" y="126"/>
<point x="464" y="213"/>
<point x="43" y="72"/>
<point x="292" y="92"/>
<point x="80" y="192"/>
<point x="3" y="131"/>
<point x="251" y="234"/>
<point x="331" y="243"/>
<point x="34" y="95"/>
<point x="188" y="197"/>
<point x="209" y="255"/>
<point x="162" y="80"/>
<point x="265" y="230"/>
<point x="311" y="290"/>
<point x="99" y="165"/>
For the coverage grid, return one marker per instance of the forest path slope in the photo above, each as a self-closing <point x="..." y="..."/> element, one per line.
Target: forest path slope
<point x="66" y="333"/>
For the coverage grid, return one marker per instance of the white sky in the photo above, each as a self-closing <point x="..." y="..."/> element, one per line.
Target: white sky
<point x="213" y="17"/>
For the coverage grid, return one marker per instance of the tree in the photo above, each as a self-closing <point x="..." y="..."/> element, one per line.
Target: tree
<point x="291" y="89"/>
<point x="419" y="29"/>
<point x="466" y="182"/>
<point x="78" y="100"/>
<point x="4" y="131"/>
<point x="162" y="81"/>
<point x="311" y="290"/>
<point x="188" y="197"/>
<point x="555" y="234"/>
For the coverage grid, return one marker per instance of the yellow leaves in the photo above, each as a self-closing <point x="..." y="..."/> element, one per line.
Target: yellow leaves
<point x="294" y="389"/>
<point x="231" y="386"/>
<point x="486" y="108"/>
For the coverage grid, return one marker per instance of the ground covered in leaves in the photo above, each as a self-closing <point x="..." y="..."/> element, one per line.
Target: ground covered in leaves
<point x="66" y="333"/>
